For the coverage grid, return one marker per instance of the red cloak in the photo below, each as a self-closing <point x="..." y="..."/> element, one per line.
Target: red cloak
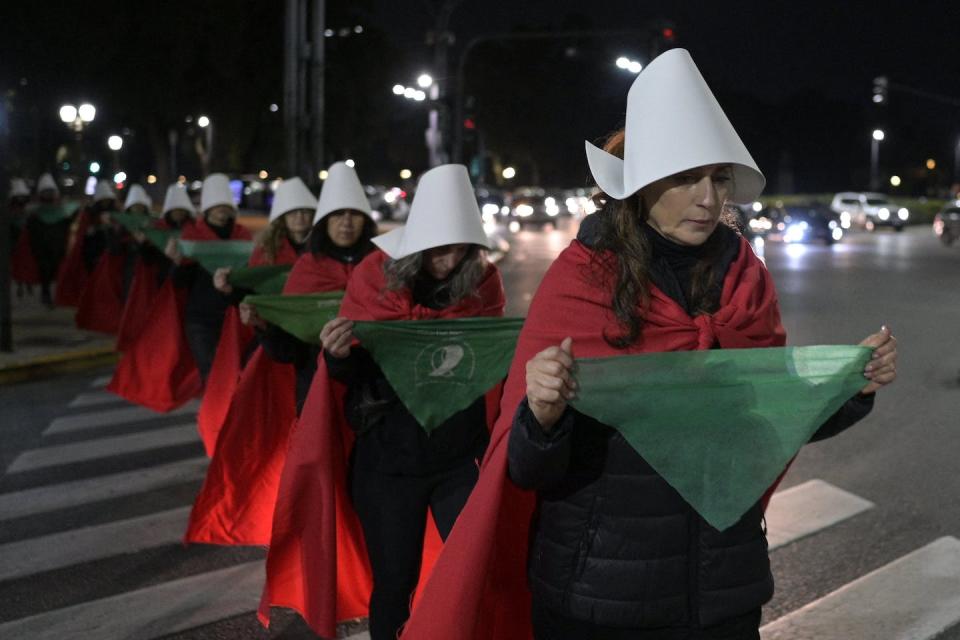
<point x="235" y="339"/>
<point x="158" y="371"/>
<point x="72" y="274"/>
<point x="317" y="563"/>
<point x="143" y="292"/>
<point x="235" y="505"/>
<point x="23" y="266"/>
<point x="101" y="303"/>
<point x="478" y="589"/>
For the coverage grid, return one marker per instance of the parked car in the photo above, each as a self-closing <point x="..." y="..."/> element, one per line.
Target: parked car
<point x="946" y="224"/>
<point x="869" y="210"/>
<point x="795" y="223"/>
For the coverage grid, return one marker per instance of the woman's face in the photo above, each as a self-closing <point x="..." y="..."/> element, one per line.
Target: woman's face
<point x="686" y="206"/>
<point x="140" y="209"/>
<point x="344" y="227"/>
<point x="219" y="215"/>
<point x="178" y="215"/>
<point x="298" y="222"/>
<point x="441" y="261"/>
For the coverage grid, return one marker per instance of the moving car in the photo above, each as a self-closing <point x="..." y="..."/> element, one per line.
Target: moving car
<point x="946" y="224"/>
<point x="532" y="206"/>
<point x="810" y="222"/>
<point x="869" y="210"/>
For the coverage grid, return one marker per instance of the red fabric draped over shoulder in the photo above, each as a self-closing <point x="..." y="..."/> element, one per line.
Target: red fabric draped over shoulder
<point x="317" y="563"/>
<point x="72" y="274"/>
<point x="101" y="303"/>
<point x="23" y="266"/>
<point x="478" y="589"/>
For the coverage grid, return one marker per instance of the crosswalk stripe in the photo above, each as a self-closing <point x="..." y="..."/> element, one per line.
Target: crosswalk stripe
<point x="66" y="548"/>
<point x="100" y="382"/>
<point x="111" y="417"/>
<point x="807" y="508"/>
<point x="94" y="398"/>
<point x="151" y="612"/>
<point x="68" y="494"/>
<point x="916" y="597"/>
<point x="104" y="447"/>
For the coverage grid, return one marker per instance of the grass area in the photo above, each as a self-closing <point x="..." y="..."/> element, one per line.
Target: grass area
<point x="922" y="210"/>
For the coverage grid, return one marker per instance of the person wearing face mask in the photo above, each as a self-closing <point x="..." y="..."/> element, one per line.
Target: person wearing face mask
<point x="280" y="243"/>
<point x="235" y="505"/>
<point x="382" y="488"/>
<point x="205" y="306"/>
<point x="571" y="532"/>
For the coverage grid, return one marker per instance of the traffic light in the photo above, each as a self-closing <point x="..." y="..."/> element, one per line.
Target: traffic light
<point x="668" y="34"/>
<point x="880" y="87"/>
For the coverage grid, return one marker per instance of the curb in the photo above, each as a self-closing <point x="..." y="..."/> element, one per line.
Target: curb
<point x="46" y="366"/>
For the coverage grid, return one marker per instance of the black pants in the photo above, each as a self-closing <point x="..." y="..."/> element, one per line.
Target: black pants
<point x="393" y="513"/>
<point x="203" y="336"/>
<point x="548" y="625"/>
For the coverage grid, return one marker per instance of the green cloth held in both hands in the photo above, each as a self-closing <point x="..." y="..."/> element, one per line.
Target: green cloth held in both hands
<point x="216" y="254"/>
<point x="132" y="222"/>
<point x="720" y="425"/>
<point x="440" y="367"/>
<point x="159" y="237"/>
<point x="302" y="316"/>
<point x="265" y="279"/>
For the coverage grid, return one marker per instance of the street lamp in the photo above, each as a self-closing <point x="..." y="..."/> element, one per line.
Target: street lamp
<point x="509" y="173"/>
<point x="76" y="118"/>
<point x="627" y="64"/>
<point x="424" y="80"/>
<point x="876" y="138"/>
<point x="203" y="122"/>
<point x="207" y="152"/>
<point x="68" y="113"/>
<point x="115" y="143"/>
<point x="432" y="135"/>
<point x="87" y="112"/>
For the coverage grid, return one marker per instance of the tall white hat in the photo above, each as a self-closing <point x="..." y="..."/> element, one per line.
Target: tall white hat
<point x="178" y="198"/>
<point x="444" y="211"/>
<point x="673" y="123"/>
<point x="341" y="190"/>
<point x="19" y="188"/>
<point x="47" y="183"/>
<point x="104" y="191"/>
<point x="137" y="195"/>
<point x="292" y="194"/>
<point x="216" y="190"/>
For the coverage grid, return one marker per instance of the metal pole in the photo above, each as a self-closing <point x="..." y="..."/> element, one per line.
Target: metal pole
<point x="6" y="305"/>
<point x="290" y="101"/>
<point x="172" y="138"/>
<point x="956" y="162"/>
<point x="874" y="164"/>
<point x="317" y="60"/>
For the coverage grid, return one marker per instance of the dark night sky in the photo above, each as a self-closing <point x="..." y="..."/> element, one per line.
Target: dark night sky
<point x="795" y="78"/>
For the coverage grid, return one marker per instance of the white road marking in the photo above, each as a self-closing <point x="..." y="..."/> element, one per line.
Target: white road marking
<point x="102" y="381"/>
<point x="807" y="508"/>
<point x="104" y="447"/>
<point x="916" y="597"/>
<point x="18" y="504"/>
<point x="151" y="612"/>
<point x="110" y="417"/>
<point x="58" y="550"/>
<point x="94" y="398"/>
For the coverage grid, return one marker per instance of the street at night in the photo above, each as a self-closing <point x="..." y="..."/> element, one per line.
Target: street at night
<point x="96" y="494"/>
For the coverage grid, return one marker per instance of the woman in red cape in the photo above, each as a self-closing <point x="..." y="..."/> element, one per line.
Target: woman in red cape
<point x="283" y="241"/>
<point x="235" y="505"/>
<point x="151" y="270"/>
<point x="87" y="242"/>
<point x="160" y="371"/>
<point x="347" y="538"/>
<point x="569" y="532"/>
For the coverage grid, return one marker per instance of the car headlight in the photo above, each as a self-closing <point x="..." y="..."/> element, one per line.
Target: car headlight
<point x="832" y="224"/>
<point x="795" y="232"/>
<point x="837" y="233"/>
<point x="523" y="210"/>
<point x="883" y="213"/>
<point x="490" y="209"/>
<point x="903" y="213"/>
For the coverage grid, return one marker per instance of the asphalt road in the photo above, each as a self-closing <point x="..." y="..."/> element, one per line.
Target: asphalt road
<point x="902" y="458"/>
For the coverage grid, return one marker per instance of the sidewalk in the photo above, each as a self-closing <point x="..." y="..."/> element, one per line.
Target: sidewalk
<point x="47" y="342"/>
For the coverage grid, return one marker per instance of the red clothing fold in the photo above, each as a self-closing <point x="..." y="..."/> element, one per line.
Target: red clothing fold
<point x="23" y="266"/>
<point x="478" y="589"/>
<point x="317" y="563"/>
<point x="136" y="311"/>
<point x="235" y="341"/>
<point x="236" y="504"/>
<point x="101" y="303"/>
<point x="72" y="274"/>
<point x="158" y="370"/>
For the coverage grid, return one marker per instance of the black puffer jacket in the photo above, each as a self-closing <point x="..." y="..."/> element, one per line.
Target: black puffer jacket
<point x="614" y="544"/>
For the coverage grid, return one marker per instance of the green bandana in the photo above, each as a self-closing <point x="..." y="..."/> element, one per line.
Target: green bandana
<point x="54" y="213"/>
<point x="720" y="425"/>
<point x="132" y="222"/>
<point x="440" y="367"/>
<point x="265" y="279"/>
<point x="159" y="237"/>
<point x="302" y="316"/>
<point x="215" y="254"/>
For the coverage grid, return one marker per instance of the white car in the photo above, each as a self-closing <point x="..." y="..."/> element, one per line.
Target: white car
<point x="869" y="210"/>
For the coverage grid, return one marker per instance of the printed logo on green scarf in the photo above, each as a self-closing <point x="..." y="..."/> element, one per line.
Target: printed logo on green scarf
<point x="445" y="363"/>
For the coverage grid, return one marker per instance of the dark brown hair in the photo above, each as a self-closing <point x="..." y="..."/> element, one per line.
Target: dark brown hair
<point x="623" y="255"/>
<point x="272" y="238"/>
<point x="462" y="283"/>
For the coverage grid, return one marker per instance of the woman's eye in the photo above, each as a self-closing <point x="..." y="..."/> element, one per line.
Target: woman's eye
<point x="723" y="179"/>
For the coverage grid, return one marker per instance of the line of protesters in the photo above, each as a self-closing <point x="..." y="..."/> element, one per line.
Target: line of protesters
<point x="518" y="516"/>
